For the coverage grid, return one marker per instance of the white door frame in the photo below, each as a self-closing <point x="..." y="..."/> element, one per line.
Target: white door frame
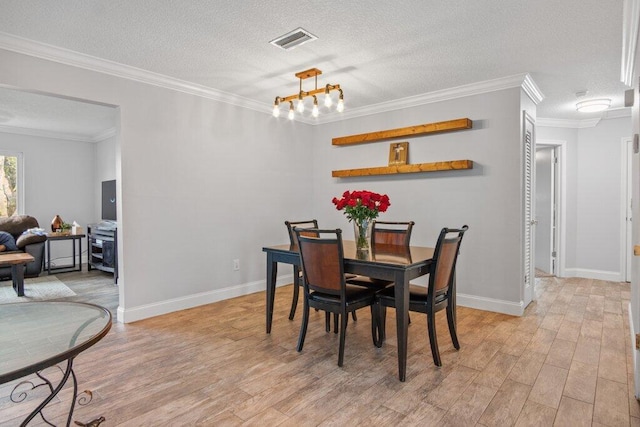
<point x="528" y="205"/>
<point x="560" y="190"/>
<point x="626" y="235"/>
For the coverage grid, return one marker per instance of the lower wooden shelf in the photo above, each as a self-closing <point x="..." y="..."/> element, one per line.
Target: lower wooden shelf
<point x="416" y="168"/>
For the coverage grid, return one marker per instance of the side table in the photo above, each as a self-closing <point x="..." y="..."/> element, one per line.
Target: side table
<point x="76" y="257"/>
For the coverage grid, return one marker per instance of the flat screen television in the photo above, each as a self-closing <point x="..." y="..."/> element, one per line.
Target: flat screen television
<point x="109" y="200"/>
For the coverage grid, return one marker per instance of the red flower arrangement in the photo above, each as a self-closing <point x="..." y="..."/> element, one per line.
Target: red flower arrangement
<point x="362" y="205"/>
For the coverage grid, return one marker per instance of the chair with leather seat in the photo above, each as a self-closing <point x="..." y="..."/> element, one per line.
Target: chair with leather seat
<point x="438" y="295"/>
<point x="324" y="284"/>
<point x="293" y="246"/>
<point x="386" y="237"/>
<point x="297" y="274"/>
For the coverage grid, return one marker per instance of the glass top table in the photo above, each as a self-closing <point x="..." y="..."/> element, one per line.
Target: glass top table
<point x="38" y="335"/>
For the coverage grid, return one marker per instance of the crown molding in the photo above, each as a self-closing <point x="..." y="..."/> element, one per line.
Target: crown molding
<point x="520" y="80"/>
<point x="57" y="135"/>
<point x="69" y="57"/>
<point x="108" y="133"/>
<point x="531" y="89"/>
<point x="88" y="62"/>
<point x="630" y="26"/>
<point x="567" y="123"/>
<point x="613" y="113"/>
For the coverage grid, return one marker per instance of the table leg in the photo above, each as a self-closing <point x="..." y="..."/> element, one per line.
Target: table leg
<point x="48" y="256"/>
<point x="402" y="321"/>
<point x="272" y="272"/>
<point x="17" y="277"/>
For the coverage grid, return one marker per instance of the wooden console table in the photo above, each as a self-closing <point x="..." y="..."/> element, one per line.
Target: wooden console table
<point x="17" y="261"/>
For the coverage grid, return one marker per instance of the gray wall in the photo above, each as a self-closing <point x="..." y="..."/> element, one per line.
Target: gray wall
<point x="594" y="192"/>
<point x="59" y="180"/>
<point x="204" y="182"/>
<point x="487" y="198"/>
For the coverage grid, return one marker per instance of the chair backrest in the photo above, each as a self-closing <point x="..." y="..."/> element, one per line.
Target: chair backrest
<point x="444" y="260"/>
<point x="322" y="260"/>
<point x="391" y="233"/>
<point x="293" y="241"/>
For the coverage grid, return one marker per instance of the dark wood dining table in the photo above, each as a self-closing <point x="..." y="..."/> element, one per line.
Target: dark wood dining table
<point x="397" y="267"/>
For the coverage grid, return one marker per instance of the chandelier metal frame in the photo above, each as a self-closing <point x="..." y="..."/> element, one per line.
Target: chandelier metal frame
<point x="301" y="95"/>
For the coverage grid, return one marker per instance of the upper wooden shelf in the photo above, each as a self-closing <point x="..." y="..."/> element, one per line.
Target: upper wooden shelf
<point x="439" y="127"/>
<point x="418" y="167"/>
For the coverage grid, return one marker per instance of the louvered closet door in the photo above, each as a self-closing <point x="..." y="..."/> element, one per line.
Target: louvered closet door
<point x="529" y="222"/>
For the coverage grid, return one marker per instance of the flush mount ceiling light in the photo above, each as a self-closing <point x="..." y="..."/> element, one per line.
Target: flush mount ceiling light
<point x="293" y="38"/>
<point x="301" y="95"/>
<point x="593" y="105"/>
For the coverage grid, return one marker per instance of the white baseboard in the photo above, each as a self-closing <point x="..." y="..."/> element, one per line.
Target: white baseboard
<point x="611" y="276"/>
<point x="490" y="304"/>
<point x="132" y="314"/>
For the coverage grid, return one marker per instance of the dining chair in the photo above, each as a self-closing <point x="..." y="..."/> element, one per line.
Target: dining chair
<point x="324" y="284"/>
<point x="438" y="295"/>
<point x="293" y="246"/>
<point x="386" y="237"/>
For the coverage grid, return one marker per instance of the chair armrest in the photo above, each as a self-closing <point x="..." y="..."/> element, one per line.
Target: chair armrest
<point x="28" y="239"/>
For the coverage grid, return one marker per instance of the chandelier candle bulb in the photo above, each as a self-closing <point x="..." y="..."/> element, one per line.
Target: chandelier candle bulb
<point x="291" y="113"/>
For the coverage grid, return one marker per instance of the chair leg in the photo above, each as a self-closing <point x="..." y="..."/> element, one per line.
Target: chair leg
<point x="353" y="315"/>
<point x="327" y="321"/>
<point x="303" y="326"/>
<point x="343" y="332"/>
<point x="451" y="320"/>
<point x="375" y="325"/>
<point x="336" y="317"/>
<point x="382" y="323"/>
<point x="294" y="302"/>
<point x="433" y="339"/>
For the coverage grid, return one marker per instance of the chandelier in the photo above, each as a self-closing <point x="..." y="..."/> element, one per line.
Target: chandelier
<point x="301" y="95"/>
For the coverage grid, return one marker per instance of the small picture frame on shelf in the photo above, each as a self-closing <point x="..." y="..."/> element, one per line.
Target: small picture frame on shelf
<point x="398" y="153"/>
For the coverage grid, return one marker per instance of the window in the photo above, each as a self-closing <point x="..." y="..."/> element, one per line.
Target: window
<point x="11" y="194"/>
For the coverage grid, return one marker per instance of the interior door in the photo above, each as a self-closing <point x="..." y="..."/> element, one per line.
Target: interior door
<point x="544" y="213"/>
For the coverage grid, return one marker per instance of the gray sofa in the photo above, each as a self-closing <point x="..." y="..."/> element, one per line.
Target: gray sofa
<point x="30" y="243"/>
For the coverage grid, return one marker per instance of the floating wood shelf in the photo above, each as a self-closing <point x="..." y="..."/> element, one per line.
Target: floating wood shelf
<point x="418" y="167"/>
<point x="439" y="127"/>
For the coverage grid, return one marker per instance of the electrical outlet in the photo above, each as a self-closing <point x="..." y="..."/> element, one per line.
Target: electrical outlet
<point x="236" y="264"/>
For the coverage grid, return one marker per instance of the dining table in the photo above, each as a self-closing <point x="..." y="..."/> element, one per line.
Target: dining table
<point x="396" y="266"/>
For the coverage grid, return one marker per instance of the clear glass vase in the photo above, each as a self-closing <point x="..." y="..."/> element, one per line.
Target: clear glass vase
<point x="362" y="234"/>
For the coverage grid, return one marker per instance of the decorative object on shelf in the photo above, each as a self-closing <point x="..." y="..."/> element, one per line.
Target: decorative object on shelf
<point x="328" y="101"/>
<point x="398" y="153"/>
<point x="362" y="207"/>
<point x="56" y="223"/>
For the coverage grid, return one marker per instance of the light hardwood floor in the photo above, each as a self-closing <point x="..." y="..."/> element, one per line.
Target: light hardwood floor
<point x="566" y="362"/>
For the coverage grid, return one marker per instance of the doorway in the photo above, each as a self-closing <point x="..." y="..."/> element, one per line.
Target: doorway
<point x="626" y="209"/>
<point x="549" y="196"/>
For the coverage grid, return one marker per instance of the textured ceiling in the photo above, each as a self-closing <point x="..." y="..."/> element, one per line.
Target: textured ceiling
<point x="377" y="50"/>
